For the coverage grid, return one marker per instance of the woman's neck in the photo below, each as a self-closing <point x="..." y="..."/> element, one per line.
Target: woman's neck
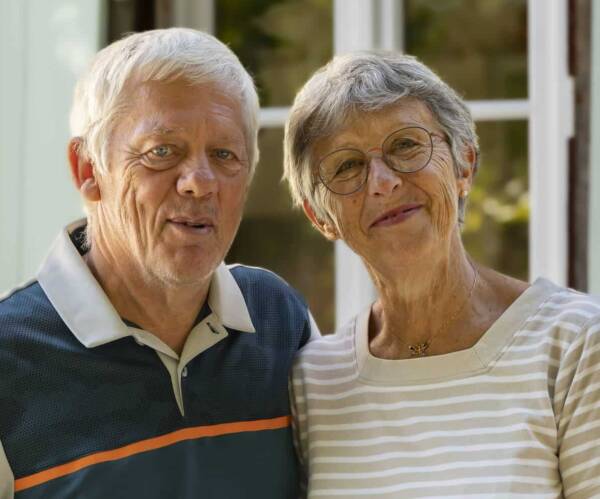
<point x="420" y="302"/>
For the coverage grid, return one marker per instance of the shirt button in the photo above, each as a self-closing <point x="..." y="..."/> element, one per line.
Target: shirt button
<point x="184" y="372"/>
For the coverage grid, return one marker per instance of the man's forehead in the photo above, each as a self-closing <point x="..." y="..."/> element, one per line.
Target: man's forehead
<point x="155" y="124"/>
<point x="175" y="108"/>
<point x="165" y="121"/>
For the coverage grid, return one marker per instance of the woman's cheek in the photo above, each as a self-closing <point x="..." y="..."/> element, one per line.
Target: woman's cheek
<point x="447" y="205"/>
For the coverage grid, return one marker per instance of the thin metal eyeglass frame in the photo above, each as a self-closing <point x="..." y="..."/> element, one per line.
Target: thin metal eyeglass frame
<point x="431" y="135"/>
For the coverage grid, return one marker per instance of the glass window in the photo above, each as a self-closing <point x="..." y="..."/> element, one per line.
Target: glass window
<point x="273" y="43"/>
<point x="272" y="40"/>
<point x="276" y="236"/>
<point x="496" y="223"/>
<point x="478" y="47"/>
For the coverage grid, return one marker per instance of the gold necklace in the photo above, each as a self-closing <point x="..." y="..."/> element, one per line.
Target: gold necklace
<point x="420" y="349"/>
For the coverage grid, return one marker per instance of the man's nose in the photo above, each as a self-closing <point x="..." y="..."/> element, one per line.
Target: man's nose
<point x="382" y="179"/>
<point x="198" y="178"/>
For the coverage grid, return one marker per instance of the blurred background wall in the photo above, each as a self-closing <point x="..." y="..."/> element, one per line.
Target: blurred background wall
<point x="44" y="46"/>
<point x="530" y="71"/>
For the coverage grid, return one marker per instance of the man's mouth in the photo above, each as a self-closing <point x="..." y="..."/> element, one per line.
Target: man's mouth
<point x="397" y="215"/>
<point x="192" y="224"/>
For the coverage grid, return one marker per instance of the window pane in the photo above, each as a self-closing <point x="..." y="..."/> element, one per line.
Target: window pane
<point x="275" y="236"/>
<point x="272" y="40"/>
<point x="496" y="222"/>
<point x="478" y="47"/>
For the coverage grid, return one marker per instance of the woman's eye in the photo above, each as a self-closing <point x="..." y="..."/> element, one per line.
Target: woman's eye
<point x="349" y="167"/>
<point x="346" y="165"/>
<point x="404" y="144"/>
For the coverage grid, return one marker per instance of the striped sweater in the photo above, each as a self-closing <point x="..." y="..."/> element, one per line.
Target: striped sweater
<point x="516" y="415"/>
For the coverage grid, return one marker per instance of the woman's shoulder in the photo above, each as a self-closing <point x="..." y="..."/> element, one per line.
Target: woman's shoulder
<point x="335" y="343"/>
<point x="570" y="318"/>
<point x="566" y="305"/>
<point x="543" y="301"/>
<point x="329" y="349"/>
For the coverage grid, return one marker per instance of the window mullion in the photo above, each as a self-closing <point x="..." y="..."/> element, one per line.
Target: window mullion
<point x="551" y="124"/>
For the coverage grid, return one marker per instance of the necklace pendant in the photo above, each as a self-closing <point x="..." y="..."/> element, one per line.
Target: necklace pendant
<point x="419" y="350"/>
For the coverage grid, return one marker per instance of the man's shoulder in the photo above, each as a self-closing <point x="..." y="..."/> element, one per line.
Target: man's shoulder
<point x="25" y="299"/>
<point x="18" y="290"/>
<point x="26" y="309"/>
<point x="274" y="306"/>
<point x="263" y="282"/>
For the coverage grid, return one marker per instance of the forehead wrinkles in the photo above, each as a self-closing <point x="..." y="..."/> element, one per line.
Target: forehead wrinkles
<point x="367" y="129"/>
<point x="162" y="120"/>
<point x="155" y="124"/>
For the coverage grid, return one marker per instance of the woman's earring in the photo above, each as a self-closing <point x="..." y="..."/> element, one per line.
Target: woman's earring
<point x="463" y="194"/>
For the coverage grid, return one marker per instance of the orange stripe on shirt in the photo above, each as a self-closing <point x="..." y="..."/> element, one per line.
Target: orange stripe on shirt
<point x="40" y="477"/>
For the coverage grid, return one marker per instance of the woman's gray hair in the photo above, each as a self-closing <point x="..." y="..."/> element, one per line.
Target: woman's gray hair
<point x="366" y="81"/>
<point x="162" y="55"/>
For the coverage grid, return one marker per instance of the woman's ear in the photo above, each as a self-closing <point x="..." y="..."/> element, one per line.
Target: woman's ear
<point x="82" y="171"/>
<point x="328" y="230"/>
<point x="465" y="179"/>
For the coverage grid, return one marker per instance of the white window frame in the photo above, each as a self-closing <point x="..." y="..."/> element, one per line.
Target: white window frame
<point x="594" y="192"/>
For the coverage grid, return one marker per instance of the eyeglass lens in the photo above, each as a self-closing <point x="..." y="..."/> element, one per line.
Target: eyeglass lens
<point x="407" y="150"/>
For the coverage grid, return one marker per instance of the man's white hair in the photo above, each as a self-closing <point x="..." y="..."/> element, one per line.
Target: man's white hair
<point x="163" y="55"/>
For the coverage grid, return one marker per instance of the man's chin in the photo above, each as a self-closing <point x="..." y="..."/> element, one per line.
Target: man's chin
<point x="179" y="278"/>
<point x="183" y="271"/>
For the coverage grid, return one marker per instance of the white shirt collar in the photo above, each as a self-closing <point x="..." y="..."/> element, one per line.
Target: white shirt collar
<point x="88" y="313"/>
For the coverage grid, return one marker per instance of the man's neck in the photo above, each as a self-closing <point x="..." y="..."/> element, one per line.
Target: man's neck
<point x="167" y="311"/>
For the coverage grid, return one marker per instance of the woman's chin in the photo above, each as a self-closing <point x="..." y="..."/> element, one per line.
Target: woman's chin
<point x="399" y="252"/>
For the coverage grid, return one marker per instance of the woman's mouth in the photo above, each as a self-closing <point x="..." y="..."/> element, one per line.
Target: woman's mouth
<point x="397" y="215"/>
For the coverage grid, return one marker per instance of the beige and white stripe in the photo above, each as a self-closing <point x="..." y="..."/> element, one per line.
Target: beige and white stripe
<point x="517" y="415"/>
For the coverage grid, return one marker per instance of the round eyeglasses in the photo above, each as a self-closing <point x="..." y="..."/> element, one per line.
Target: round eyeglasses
<point x="408" y="150"/>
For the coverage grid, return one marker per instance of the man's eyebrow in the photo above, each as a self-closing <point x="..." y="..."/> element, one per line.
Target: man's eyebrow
<point x="156" y="128"/>
<point x="163" y="130"/>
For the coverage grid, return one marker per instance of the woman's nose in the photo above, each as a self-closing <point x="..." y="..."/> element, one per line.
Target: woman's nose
<point x="382" y="179"/>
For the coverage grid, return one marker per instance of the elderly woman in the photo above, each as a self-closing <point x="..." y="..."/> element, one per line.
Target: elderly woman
<point x="458" y="381"/>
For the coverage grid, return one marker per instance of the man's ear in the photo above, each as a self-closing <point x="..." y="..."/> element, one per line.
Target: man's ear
<point x="82" y="171"/>
<point x="328" y="230"/>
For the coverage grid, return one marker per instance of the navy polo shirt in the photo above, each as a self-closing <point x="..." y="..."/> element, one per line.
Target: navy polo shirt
<point x="92" y="407"/>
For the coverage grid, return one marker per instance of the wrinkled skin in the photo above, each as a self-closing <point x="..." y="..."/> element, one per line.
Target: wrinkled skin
<point x="436" y="188"/>
<point x="179" y="153"/>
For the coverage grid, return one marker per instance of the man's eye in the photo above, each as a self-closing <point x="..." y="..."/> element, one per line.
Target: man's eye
<point x="224" y="154"/>
<point x="162" y="151"/>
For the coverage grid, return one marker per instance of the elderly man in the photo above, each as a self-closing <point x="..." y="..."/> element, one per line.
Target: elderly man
<point x="137" y="364"/>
